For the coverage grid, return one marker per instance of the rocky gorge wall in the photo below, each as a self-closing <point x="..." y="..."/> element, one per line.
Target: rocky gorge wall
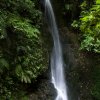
<point x="79" y="65"/>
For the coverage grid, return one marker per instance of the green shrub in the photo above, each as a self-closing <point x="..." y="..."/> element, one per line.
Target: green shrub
<point x="22" y="57"/>
<point x="89" y="25"/>
<point x="29" y="52"/>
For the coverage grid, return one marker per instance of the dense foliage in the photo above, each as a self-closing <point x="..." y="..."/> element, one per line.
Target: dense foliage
<point x="21" y="53"/>
<point x="89" y="25"/>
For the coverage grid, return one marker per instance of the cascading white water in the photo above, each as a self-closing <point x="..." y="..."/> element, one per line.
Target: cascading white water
<point x="57" y="72"/>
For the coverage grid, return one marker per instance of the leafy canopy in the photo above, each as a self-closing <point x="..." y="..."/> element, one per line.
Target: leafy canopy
<point x="89" y="25"/>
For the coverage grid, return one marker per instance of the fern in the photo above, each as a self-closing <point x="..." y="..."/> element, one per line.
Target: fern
<point x="22" y="25"/>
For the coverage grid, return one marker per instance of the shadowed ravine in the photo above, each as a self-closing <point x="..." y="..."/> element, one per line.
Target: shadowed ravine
<point x="57" y="72"/>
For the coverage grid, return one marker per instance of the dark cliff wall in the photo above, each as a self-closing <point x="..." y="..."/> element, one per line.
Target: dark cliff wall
<point x="79" y="64"/>
<point x="66" y="11"/>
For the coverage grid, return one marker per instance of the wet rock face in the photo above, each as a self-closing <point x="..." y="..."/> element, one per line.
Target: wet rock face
<point x="78" y="66"/>
<point x="42" y="5"/>
<point x="66" y="11"/>
<point x="33" y="97"/>
<point x="43" y="89"/>
<point x="46" y="91"/>
<point x="68" y="45"/>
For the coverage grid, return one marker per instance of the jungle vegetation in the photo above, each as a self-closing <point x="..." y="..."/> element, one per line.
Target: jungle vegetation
<point x="21" y="46"/>
<point x="22" y="53"/>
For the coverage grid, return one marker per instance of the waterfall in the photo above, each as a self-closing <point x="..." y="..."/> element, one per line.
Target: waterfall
<point x="57" y="72"/>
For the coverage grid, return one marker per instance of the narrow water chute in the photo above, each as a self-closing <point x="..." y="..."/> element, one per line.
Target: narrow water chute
<point x="57" y="72"/>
